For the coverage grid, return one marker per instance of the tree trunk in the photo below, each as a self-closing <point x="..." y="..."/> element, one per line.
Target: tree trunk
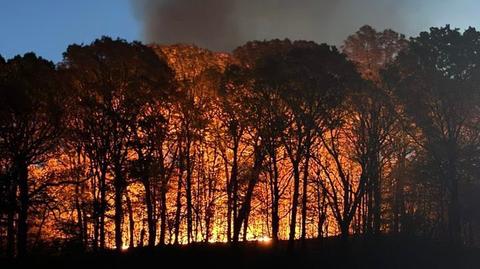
<point x="207" y="226"/>
<point x="377" y="194"/>
<point x="369" y="200"/>
<point x="131" y="221"/>
<point x="245" y="226"/>
<point x="151" y="223"/>
<point x="85" y="227"/>
<point x="304" y="194"/>
<point x="232" y="192"/>
<point x="321" y="198"/>
<point x="163" y="212"/>
<point x="118" y="185"/>
<point x="78" y="208"/>
<point x="453" y="208"/>
<point x="275" y="200"/>
<point x="229" y="210"/>
<point x="344" y="230"/>
<point x="12" y="204"/>
<point x="188" y="192"/>
<point x="235" y="213"/>
<point x="22" y="230"/>
<point x="398" y="203"/>
<point x="142" y="237"/>
<point x="103" y="207"/>
<point x="178" y="206"/>
<point x="245" y="208"/>
<point x="293" y="220"/>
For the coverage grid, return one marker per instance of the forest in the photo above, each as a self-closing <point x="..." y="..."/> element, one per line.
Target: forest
<point x="122" y="145"/>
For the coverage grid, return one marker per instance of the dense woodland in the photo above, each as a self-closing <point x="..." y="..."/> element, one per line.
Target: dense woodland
<point x="125" y="145"/>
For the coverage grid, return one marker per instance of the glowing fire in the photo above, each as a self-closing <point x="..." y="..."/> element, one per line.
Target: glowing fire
<point x="208" y="189"/>
<point x="264" y="240"/>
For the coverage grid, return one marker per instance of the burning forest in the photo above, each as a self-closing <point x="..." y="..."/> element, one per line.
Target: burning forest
<point x="124" y="146"/>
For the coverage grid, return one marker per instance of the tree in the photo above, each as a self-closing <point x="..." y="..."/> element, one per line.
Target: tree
<point x="238" y="89"/>
<point x="343" y="182"/>
<point x="310" y="81"/>
<point x="436" y="79"/>
<point x="196" y="71"/>
<point x="8" y="190"/>
<point x="32" y="108"/>
<point x="232" y="129"/>
<point x="151" y="165"/>
<point x="372" y="51"/>
<point x="116" y="83"/>
<point x="373" y="111"/>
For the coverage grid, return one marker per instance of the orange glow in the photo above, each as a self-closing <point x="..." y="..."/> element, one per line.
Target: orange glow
<point x="212" y="159"/>
<point x="264" y="240"/>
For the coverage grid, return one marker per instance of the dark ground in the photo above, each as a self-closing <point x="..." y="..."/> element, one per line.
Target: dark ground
<point x="330" y="253"/>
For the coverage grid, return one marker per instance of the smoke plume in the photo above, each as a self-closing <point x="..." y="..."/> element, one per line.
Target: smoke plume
<point x="225" y="24"/>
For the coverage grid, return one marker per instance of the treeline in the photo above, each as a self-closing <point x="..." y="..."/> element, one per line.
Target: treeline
<point x="123" y="145"/>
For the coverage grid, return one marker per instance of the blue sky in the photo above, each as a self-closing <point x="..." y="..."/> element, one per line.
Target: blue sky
<point x="47" y="27"/>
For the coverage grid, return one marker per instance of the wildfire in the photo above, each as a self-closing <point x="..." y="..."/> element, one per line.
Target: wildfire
<point x="264" y="240"/>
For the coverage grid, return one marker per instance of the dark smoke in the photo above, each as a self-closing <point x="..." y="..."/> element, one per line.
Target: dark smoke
<point x="225" y="24"/>
<point x="208" y="23"/>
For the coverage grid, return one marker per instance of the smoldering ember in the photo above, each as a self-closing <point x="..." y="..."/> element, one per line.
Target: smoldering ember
<point x="274" y="153"/>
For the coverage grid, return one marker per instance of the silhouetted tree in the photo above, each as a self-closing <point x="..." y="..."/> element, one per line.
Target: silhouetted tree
<point x="436" y="79"/>
<point x="190" y="145"/>
<point x="192" y="66"/>
<point x="239" y="89"/>
<point x="372" y="51"/>
<point x="30" y="117"/>
<point x="232" y="130"/>
<point x="374" y="112"/>
<point x="151" y="165"/>
<point x="116" y="82"/>
<point x="310" y="81"/>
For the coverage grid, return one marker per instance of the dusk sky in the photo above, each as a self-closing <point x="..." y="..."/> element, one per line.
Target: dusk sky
<point x="47" y="27"/>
